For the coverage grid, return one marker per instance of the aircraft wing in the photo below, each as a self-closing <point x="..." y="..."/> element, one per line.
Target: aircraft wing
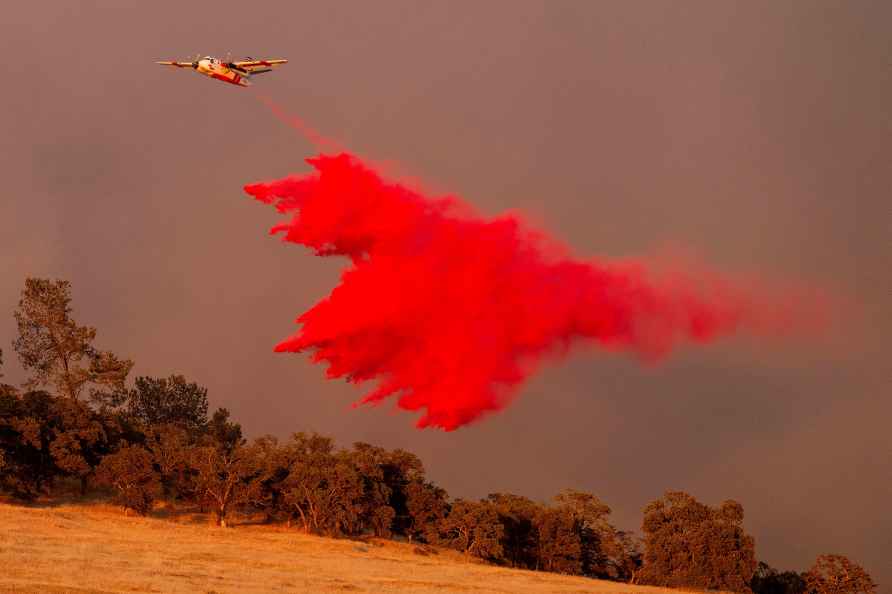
<point x="177" y="64"/>
<point x="257" y="66"/>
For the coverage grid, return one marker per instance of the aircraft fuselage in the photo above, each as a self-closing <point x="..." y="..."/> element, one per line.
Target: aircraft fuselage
<point x="214" y="68"/>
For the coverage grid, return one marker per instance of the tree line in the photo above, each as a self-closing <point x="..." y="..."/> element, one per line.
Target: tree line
<point x="77" y="419"/>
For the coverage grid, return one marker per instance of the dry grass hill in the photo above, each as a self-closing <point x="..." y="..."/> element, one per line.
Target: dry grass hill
<point x="95" y="548"/>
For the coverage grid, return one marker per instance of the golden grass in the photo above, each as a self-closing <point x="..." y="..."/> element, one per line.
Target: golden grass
<point x="95" y="548"/>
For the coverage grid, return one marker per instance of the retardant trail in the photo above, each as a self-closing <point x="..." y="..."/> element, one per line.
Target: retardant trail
<point x="298" y="124"/>
<point x="450" y="312"/>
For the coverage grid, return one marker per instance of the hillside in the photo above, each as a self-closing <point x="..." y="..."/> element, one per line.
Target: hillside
<point x="96" y="548"/>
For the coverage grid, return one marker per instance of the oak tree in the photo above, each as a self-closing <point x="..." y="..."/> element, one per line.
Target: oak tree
<point x="558" y="542"/>
<point x="837" y="574"/>
<point x="27" y="427"/>
<point x="171" y="400"/>
<point x="323" y="487"/>
<point x="169" y="446"/>
<point x="426" y="505"/>
<point x="767" y="580"/>
<point x="691" y="545"/>
<point x="594" y="531"/>
<point x="520" y="540"/>
<point x="374" y="503"/>
<point x="223" y="433"/>
<point x="273" y="464"/>
<point x="130" y="472"/>
<point x="472" y="527"/>
<point x="223" y="478"/>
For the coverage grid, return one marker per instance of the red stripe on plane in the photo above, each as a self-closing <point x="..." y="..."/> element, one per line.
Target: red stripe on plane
<point x="226" y="79"/>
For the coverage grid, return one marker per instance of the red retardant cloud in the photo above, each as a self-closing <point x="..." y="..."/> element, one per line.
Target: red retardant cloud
<point x="450" y="312"/>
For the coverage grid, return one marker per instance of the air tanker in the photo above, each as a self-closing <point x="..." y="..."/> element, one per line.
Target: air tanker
<point x="234" y="73"/>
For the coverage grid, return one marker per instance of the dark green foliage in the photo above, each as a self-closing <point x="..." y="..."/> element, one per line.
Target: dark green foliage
<point x="570" y="536"/>
<point x="215" y="468"/>
<point x="169" y="447"/>
<point x="43" y="437"/>
<point x="386" y="477"/>
<point x="26" y="429"/>
<point x="520" y="540"/>
<point x="157" y="438"/>
<point x="222" y="432"/>
<point x="837" y="574"/>
<point x="400" y="469"/>
<point x="473" y="528"/>
<point x="81" y="439"/>
<point x="767" y="580"/>
<point x="593" y="531"/>
<point x="323" y="490"/>
<point x="690" y="545"/>
<point x="168" y="401"/>
<point x="130" y="472"/>
<point x="624" y="557"/>
<point x="374" y="508"/>
<point x="223" y="477"/>
<point x="273" y="464"/>
<point x="426" y="505"/>
<point x="559" y="544"/>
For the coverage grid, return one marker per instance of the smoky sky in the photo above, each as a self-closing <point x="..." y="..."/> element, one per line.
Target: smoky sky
<point x="754" y="136"/>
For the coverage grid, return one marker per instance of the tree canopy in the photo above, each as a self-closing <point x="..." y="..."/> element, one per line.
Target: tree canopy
<point x="171" y="400"/>
<point x="837" y="574"/>
<point x="690" y="545"/>
<point x="154" y="440"/>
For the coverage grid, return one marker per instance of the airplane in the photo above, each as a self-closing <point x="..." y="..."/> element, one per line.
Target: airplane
<point x="236" y="73"/>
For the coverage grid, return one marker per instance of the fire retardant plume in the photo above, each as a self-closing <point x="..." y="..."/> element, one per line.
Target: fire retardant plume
<point x="450" y="312"/>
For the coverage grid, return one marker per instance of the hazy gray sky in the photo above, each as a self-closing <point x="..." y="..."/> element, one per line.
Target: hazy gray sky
<point x="755" y="135"/>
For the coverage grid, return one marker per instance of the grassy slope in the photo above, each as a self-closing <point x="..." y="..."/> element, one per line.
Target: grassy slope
<point x="96" y="548"/>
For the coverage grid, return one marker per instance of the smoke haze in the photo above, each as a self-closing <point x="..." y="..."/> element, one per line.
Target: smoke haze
<point x="758" y="132"/>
